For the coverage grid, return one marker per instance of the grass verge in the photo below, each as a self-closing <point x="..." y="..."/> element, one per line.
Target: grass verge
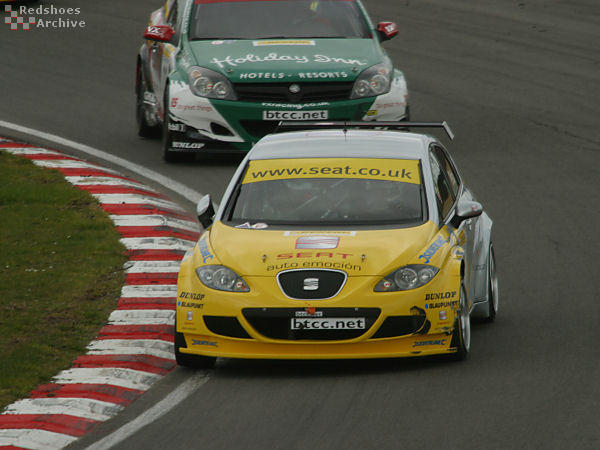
<point x="60" y="274"/>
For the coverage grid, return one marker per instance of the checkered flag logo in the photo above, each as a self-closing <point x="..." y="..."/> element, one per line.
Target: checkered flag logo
<point x="14" y="20"/>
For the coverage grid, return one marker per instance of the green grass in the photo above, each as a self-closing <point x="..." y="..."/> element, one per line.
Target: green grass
<point x="60" y="274"/>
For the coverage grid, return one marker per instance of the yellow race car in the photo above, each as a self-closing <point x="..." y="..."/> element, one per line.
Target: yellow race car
<point x="338" y="242"/>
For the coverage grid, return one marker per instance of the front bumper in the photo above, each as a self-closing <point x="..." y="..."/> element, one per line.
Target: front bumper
<point x="209" y="345"/>
<point x="240" y="124"/>
<point x="257" y="324"/>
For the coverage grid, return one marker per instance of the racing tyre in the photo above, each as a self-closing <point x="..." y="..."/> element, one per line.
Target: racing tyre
<point x="144" y="129"/>
<point x="192" y="361"/>
<point x="461" y="339"/>
<point x="493" y="292"/>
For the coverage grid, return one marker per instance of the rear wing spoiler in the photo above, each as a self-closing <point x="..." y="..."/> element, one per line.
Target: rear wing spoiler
<point x="306" y="125"/>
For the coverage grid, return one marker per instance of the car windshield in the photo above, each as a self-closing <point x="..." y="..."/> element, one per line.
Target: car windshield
<point x="328" y="192"/>
<point x="267" y="19"/>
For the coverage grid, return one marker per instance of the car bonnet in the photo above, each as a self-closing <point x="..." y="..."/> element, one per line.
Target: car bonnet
<point x="287" y="60"/>
<point x="262" y="251"/>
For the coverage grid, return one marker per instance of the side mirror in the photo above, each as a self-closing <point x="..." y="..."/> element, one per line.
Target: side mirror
<point x="205" y="211"/>
<point x="467" y="209"/>
<point x="387" y="30"/>
<point x="159" y="33"/>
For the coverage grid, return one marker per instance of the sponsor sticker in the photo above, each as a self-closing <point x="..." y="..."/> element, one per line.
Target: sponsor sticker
<point x="321" y="75"/>
<point x="191" y="296"/>
<point x="295" y="115"/>
<point x="232" y="61"/>
<point x="261" y="75"/>
<point x="190" y="305"/>
<point x="179" y="127"/>
<point x="204" y="251"/>
<point x="433" y="248"/>
<point x="187" y="145"/>
<point x="448" y="304"/>
<point x="201" y="342"/>
<point x="403" y="170"/>
<point x="309" y="312"/>
<point x="256" y="226"/>
<point x="332" y="323"/>
<point x="295" y="105"/>
<point x="428" y="343"/>
<point x="440" y="295"/>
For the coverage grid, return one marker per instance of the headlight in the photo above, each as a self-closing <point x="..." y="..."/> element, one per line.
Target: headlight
<point x="210" y="84"/>
<point x="407" y="277"/>
<point x="375" y="80"/>
<point x="221" y="278"/>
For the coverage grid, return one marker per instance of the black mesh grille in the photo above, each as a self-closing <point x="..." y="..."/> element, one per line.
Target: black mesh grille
<point x="275" y="323"/>
<point x="226" y="326"/>
<point x="259" y="128"/>
<point x="280" y="92"/>
<point x="399" y="326"/>
<point x="311" y="284"/>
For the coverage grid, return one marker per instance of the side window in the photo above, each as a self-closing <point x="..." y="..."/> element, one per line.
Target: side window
<point x="448" y="169"/>
<point x="443" y="191"/>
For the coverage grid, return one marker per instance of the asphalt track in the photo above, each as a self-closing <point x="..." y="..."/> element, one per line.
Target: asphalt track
<point x="519" y="81"/>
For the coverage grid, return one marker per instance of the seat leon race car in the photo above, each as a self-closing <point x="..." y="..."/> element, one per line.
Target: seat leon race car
<point x="337" y="243"/>
<point x="218" y="75"/>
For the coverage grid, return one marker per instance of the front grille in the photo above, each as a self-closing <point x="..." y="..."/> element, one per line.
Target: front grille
<point x="275" y="323"/>
<point x="226" y="326"/>
<point x="311" y="284"/>
<point x="280" y="92"/>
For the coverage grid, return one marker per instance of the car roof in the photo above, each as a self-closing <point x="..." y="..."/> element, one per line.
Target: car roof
<point x="337" y="143"/>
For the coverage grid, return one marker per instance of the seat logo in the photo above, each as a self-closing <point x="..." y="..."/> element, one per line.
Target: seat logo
<point x="311" y="284"/>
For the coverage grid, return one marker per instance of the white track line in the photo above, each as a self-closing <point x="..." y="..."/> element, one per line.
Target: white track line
<point x="183" y="391"/>
<point x="35" y="439"/>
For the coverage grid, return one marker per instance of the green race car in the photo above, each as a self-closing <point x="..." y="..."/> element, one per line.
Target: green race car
<point x="217" y="75"/>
